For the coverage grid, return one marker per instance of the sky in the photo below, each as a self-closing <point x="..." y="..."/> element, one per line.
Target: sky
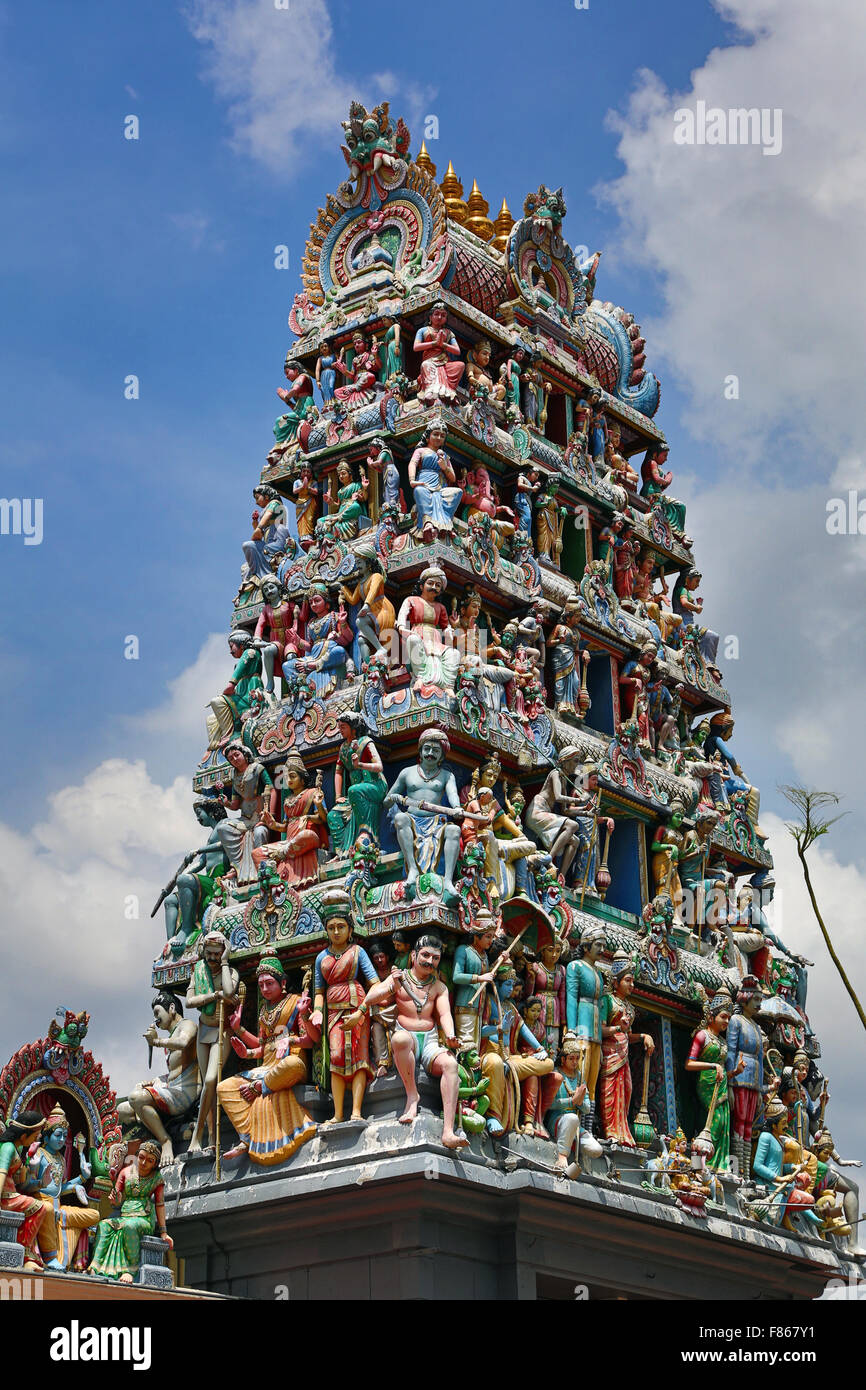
<point x="154" y="257"/>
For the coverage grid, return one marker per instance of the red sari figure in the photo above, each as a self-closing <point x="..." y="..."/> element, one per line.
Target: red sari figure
<point x="305" y="828"/>
<point x="343" y="973"/>
<point x="617" y="1017"/>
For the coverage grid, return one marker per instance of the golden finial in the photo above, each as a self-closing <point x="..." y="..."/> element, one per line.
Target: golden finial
<point x="452" y="191"/>
<point x="502" y="226"/>
<point x="423" y="161"/>
<point x="477" y="221"/>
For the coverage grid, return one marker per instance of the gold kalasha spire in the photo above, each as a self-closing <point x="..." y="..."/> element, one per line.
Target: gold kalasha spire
<point x="423" y="161"/>
<point x="502" y="226"/>
<point x="478" y="208"/>
<point x="452" y="191"/>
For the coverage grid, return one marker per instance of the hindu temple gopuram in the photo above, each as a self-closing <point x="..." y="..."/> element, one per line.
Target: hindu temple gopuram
<point x="467" y="989"/>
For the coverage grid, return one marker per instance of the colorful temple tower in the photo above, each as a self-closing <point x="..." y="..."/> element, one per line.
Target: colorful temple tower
<point x="487" y="1001"/>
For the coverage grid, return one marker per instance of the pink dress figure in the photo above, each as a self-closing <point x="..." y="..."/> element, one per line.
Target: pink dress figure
<point x="545" y="979"/>
<point x="617" y="1017"/>
<point x="363" y="373"/>
<point x="441" y="368"/>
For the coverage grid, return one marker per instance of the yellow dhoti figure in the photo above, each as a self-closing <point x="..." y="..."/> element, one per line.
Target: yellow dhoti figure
<point x="270" y="1122"/>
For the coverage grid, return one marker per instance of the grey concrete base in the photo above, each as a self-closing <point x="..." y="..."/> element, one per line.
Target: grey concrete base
<point x="383" y="1211"/>
<point x="11" y="1252"/>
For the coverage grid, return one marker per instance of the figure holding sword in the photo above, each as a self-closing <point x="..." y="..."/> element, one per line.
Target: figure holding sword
<point x="186" y="896"/>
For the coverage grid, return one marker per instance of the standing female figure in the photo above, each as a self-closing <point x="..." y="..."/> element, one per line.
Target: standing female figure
<point x="343" y="973"/>
<point x="359" y="785"/>
<point x="617" y="1017"/>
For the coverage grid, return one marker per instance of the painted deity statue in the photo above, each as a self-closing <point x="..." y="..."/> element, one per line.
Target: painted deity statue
<point x="246" y="832"/>
<point x="549" y="518"/>
<point x="634" y="679"/>
<point x="617" y="1018"/>
<point x="375" y="618"/>
<point x="271" y="538"/>
<point x="829" y="1177"/>
<point x="545" y="981"/>
<point x="359" y="786"/>
<point x="566" y="1119"/>
<point x="526" y="489"/>
<point x="511" y="1055"/>
<point x="330" y="636"/>
<point x="708" y="1058"/>
<point x="328" y="364"/>
<point x="381" y="460"/>
<point x="781" y="1178"/>
<point x="391" y="351"/>
<point x="62" y="1236"/>
<point x="423" y="1012"/>
<point x="746" y="1082"/>
<point x="305" y="498"/>
<point x="426" y="806"/>
<point x="689" y="607"/>
<point x="270" y="1122"/>
<point x="362" y="373"/>
<point x="665" y="850"/>
<point x="510" y="376"/>
<point x="278" y="635"/>
<point x="348" y="497"/>
<point x="564" y="646"/>
<point x="698" y="881"/>
<point x="584" y="987"/>
<point x="441" y="366"/>
<point x="505" y="845"/>
<point x="150" y="1103"/>
<point x="298" y="397"/>
<point x="433" y="483"/>
<point x="566" y="822"/>
<point x="344" y="972"/>
<point x="194" y="885"/>
<point x="302" y="823"/>
<point x="139" y="1193"/>
<point x="481" y="383"/>
<point x="471" y="974"/>
<point x="227" y="710"/>
<point x="213" y="991"/>
<point x="17" y="1138"/>
<point x="426" y="635"/>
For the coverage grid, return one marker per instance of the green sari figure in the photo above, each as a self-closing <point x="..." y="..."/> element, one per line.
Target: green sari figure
<point x="350" y="498"/>
<point x="139" y="1193"/>
<point x="359" y="786"/>
<point x="707" y="1057"/>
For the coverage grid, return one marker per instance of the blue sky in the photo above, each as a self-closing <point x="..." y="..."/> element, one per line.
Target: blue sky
<point x="155" y="257"/>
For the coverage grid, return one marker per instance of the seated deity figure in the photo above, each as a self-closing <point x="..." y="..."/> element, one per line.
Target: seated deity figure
<point x="227" y="710"/>
<point x="138" y="1198"/>
<point x="427" y="636"/>
<point x="17" y="1138"/>
<point x="506" y="848"/>
<point x="240" y="836"/>
<point x="298" y="397"/>
<point x="271" y="538"/>
<point x="481" y="383"/>
<point x="375" y="617"/>
<point x="260" y="1102"/>
<point x="349" y="498"/>
<point x="425" y="827"/>
<point x="510" y="1055"/>
<point x="433" y="483"/>
<point x="62" y="1234"/>
<point x="423" y="1012"/>
<point x="494" y="678"/>
<point x="172" y="1095"/>
<point x="303" y="826"/>
<point x="362" y="373"/>
<point x="441" y="366"/>
<point x="566" y="822"/>
<point x="330" y="636"/>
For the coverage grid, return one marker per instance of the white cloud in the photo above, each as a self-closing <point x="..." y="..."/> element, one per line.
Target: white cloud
<point x="277" y="70"/>
<point x="762" y="259"/>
